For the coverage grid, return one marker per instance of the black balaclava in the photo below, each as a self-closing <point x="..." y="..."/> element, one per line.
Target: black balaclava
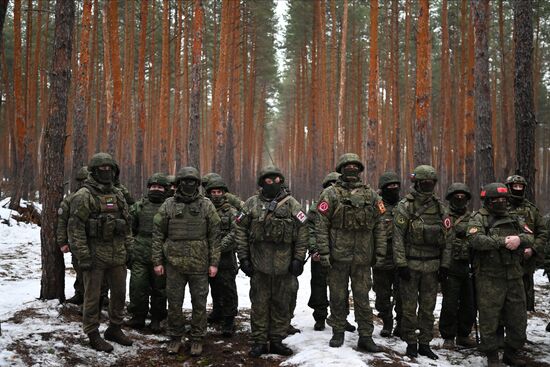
<point x="270" y="191"/>
<point x="187" y="187"/>
<point x="105" y="177"/>
<point x="156" y="196"/>
<point x="391" y="195"/>
<point x="517" y="195"/>
<point x="217" y="200"/>
<point x="459" y="204"/>
<point x="497" y="208"/>
<point x="350" y="174"/>
<point x="425" y="186"/>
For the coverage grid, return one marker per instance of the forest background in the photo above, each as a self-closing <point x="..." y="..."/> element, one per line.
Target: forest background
<point x="228" y="86"/>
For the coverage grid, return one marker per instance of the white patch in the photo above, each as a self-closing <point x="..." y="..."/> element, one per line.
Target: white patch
<point x="301" y="216"/>
<point x="60" y="211"/>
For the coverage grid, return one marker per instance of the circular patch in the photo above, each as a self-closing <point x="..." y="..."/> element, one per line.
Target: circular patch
<point x="447" y="223"/>
<point x="400" y="220"/>
<point x="322" y="207"/>
<point x="473" y="230"/>
<point x="60" y="211"/>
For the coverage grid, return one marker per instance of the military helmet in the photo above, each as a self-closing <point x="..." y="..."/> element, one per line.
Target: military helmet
<point x="102" y="159"/>
<point x="157" y="179"/>
<point x="82" y="173"/>
<point x="269" y="171"/>
<point x="188" y="173"/>
<point x="458" y="187"/>
<point x="424" y="172"/>
<point x="208" y="177"/>
<point x="494" y="190"/>
<point x="331" y="177"/>
<point x="216" y="184"/>
<point x="515" y="179"/>
<point x="348" y="158"/>
<point x="388" y="178"/>
<point x="171" y="179"/>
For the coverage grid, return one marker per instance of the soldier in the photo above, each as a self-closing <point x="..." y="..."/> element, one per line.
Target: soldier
<point x="143" y="281"/>
<point x="171" y="190"/>
<point x="223" y="287"/>
<point x="499" y="241"/>
<point x="62" y="237"/>
<point x="421" y="250"/>
<point x="186" y="248"/>
<point x="272" y="241"/>
<point x="234" y="200"/>
<point x="519" y="206"/>
<point x="99" y="234"/>
<point x="351" y="238"/>
<point x="458" y="309"/>
<point x="386" y="280"/>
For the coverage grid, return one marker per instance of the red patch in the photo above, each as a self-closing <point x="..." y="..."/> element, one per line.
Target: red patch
<point x="527" y="229"/>
<point x="447" y="223"/>
<point x="322" y="207"/>
<point x="502" y="190"/>
<point x="381" y="207"/>
<point x="483" y="193"/>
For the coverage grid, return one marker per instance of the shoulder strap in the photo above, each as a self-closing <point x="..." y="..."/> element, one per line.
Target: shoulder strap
<point x="279" y="204"/>
<point x="460" y="219"/>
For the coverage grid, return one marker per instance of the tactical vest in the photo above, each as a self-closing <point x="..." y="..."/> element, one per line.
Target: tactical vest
<point x="186" y="221"/>
<point x="146" y="214"/>
<point x="106" y="222"/>
<point x="354" y="210"/>
<point x="426" y="225"/>
<point x="277" y="226"/>
<point x="525" y="213"/>
<point x="461" y="250"/>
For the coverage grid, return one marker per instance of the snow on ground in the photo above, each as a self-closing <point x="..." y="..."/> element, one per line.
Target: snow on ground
<point x="30" y="323"/>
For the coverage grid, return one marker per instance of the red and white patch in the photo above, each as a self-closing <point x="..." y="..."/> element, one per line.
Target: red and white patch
<point x="502" y="190"/>
<point x="301" y="216"/>
<point x="381" y="207"/>
<point x="322" y="207"/>
<point x="239" y="217"/>
<point x="527" y="229"/>
<point x="447" y="223"/>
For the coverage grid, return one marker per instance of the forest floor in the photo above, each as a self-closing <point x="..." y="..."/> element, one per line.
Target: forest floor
<point x="47" y="333"/>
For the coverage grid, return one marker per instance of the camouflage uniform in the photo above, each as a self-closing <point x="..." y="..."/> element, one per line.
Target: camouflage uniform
<point x="528" y="212"/>
<point x="498" y="273"/>
<point x="351" y="236"/>
<point x="269" y="242"/>
<point x="144" y="283"/>
<point x="62" y="236"/>
<point x="458" y="310"/>
<point x="223" y="286"/>
<point x="99" y="234"/>
<point x="422" y="239"/>
<point x="186" y="241"/>
<point x="232" y="199"/>
<point x="385" y="278"/>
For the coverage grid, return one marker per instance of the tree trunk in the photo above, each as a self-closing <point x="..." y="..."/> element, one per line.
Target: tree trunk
<point x="53" y="267"/>
<point x="140" y="131"/>
<point x="164" y="102"/>
<point x="523" y="94"/>
<point x="342" y="89"/>
<point x="196" y="72"/>
<point x="114" y="52"/>
<point x="372" y="125"/>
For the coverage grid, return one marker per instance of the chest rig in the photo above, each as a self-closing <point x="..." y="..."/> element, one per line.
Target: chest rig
<point x="145" y="217"/>
<point x="426" y="226"/>
<point x="275" y="226"/>
<point x="353" y="209"/>
<point x="106" y="220"/>
<point x="186" y="221"/>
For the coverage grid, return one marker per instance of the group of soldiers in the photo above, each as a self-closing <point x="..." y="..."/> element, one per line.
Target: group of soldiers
<point x="188" y="230"/>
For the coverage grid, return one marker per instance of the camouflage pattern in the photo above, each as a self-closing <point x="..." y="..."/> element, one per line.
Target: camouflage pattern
<point x="422" y="239"/>
<point x="349" y="229"/>
<point x="458" y="310"/>
<point x="232" y="199"/>
<point x="127" y="195"/>
<point x="388" y="178"/>
<point x="186" y="235"/>
<point x="499" y="275"/>
<point x="99" y="234"/>
<point x="424" y="172"/>
<point x="144" y="284"/>
<point x="270" y="241"/>
<point x="318" y="299"/>
<point x="269" y="171"/>
<point x="349" y="158"/>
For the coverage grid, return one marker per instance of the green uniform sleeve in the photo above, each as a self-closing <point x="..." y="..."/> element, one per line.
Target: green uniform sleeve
<point x="213" y="234"/>
<point x="400" y="226"/>
<point x="311" y="218"/>
<point x="160" y="232"/>
<point x="79" y="215"/>
<point x="302" y="233"/>
<point x="134" y="217"/>
<point x="541" y="235"/>
<point x="477" y="237"/>
<point x="447" y="251"/>
<point x="379" y="232"/>
<point x="325" y="210"/>
<point x="62" y="221"/>
<point x="242" y="232"/>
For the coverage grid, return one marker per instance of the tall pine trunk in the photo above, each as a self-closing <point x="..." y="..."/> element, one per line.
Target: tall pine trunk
<point x="193" y="151"/>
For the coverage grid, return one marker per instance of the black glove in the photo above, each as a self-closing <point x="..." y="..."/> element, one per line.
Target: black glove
<point x="296" y="267"/>
<point x="86" y="264"/>
<point x="404" y="273"/>
<point x="442" y="274"/>
<point x="247" y="268"/>
<point x="129" y="260"/>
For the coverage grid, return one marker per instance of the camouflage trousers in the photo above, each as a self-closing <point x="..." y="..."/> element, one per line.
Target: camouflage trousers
<point x="418" y="292"/>
<point x="223" y="289"/>
<point x="78" y="283"/>
<point x="458" y="311"/>
<point x="93" y="280"/>
<point x="318" y="299"/>
<point x="529" y="285"/>
<point x="386" y="287"/>
<point x="144" y="283"/>
<point x="176" y="282"/>
<point x="295" y="286"/>
<point x="361" y="282"/>
<point x="270" y="297"/>
<point x="503" y="302"/>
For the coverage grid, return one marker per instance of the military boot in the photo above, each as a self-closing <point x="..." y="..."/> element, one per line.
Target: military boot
<point x="466" y="342"/>
<point x="319" y="325"/>
<point x="492" y="359"/>
<point x="228" y="326"/>
<point x="196" y="348"/>
<point x="77" y="299"/>
<point x="97" y="342"/>
<point x="337" y="340"/>
<point x="174" y="345"/>
<point x="155" y="326"/>
<point x="349" y="327"/>
<point x="425" y="350"/>
<point x="386" y="329"/>
<point x="449" y="343"/>
<point x="137" y="323"/>
<point x="280" y="349"/>
<point x="292" y="330"/>
<point x="257" y="350"/>
<point x="367" y="344"/>
<point x="115" y="334"/>
<point x="412" y="350"/>
<point x="512" y="358"/>
<point x="500" y="336"/>
<point x="214" y="317"/>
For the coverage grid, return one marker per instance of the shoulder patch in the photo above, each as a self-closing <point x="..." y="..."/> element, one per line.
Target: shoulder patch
<point x="240" y="217"/>
<point x="381" y="207"/>
<point x="60" y="211"/>
<point x="301" y="216"/>
<point x="447" y="223"/>
<point x="323" y="207"/>
<point x="473" y="230"/>
<point x="400" y="219"/>
<point x="527" y="229"/>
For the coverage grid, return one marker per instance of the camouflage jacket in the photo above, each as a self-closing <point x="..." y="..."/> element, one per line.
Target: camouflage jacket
<point x="387" y="221"/>
<point x="234" y="201"/>
<point x="487" y="234"/>
<point x="127" y="196"/>
<point x="422" y="233"/>
<point x="228" y="247"/>
<point x="187" y="234"/>
<point x="142" y="213"/>
<point x="271" y="240"/>
<point x="461" y="249"/>
<point x="349" y="224"/>
<point x="63" y="213"/>
<point x="99" y="225"/>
